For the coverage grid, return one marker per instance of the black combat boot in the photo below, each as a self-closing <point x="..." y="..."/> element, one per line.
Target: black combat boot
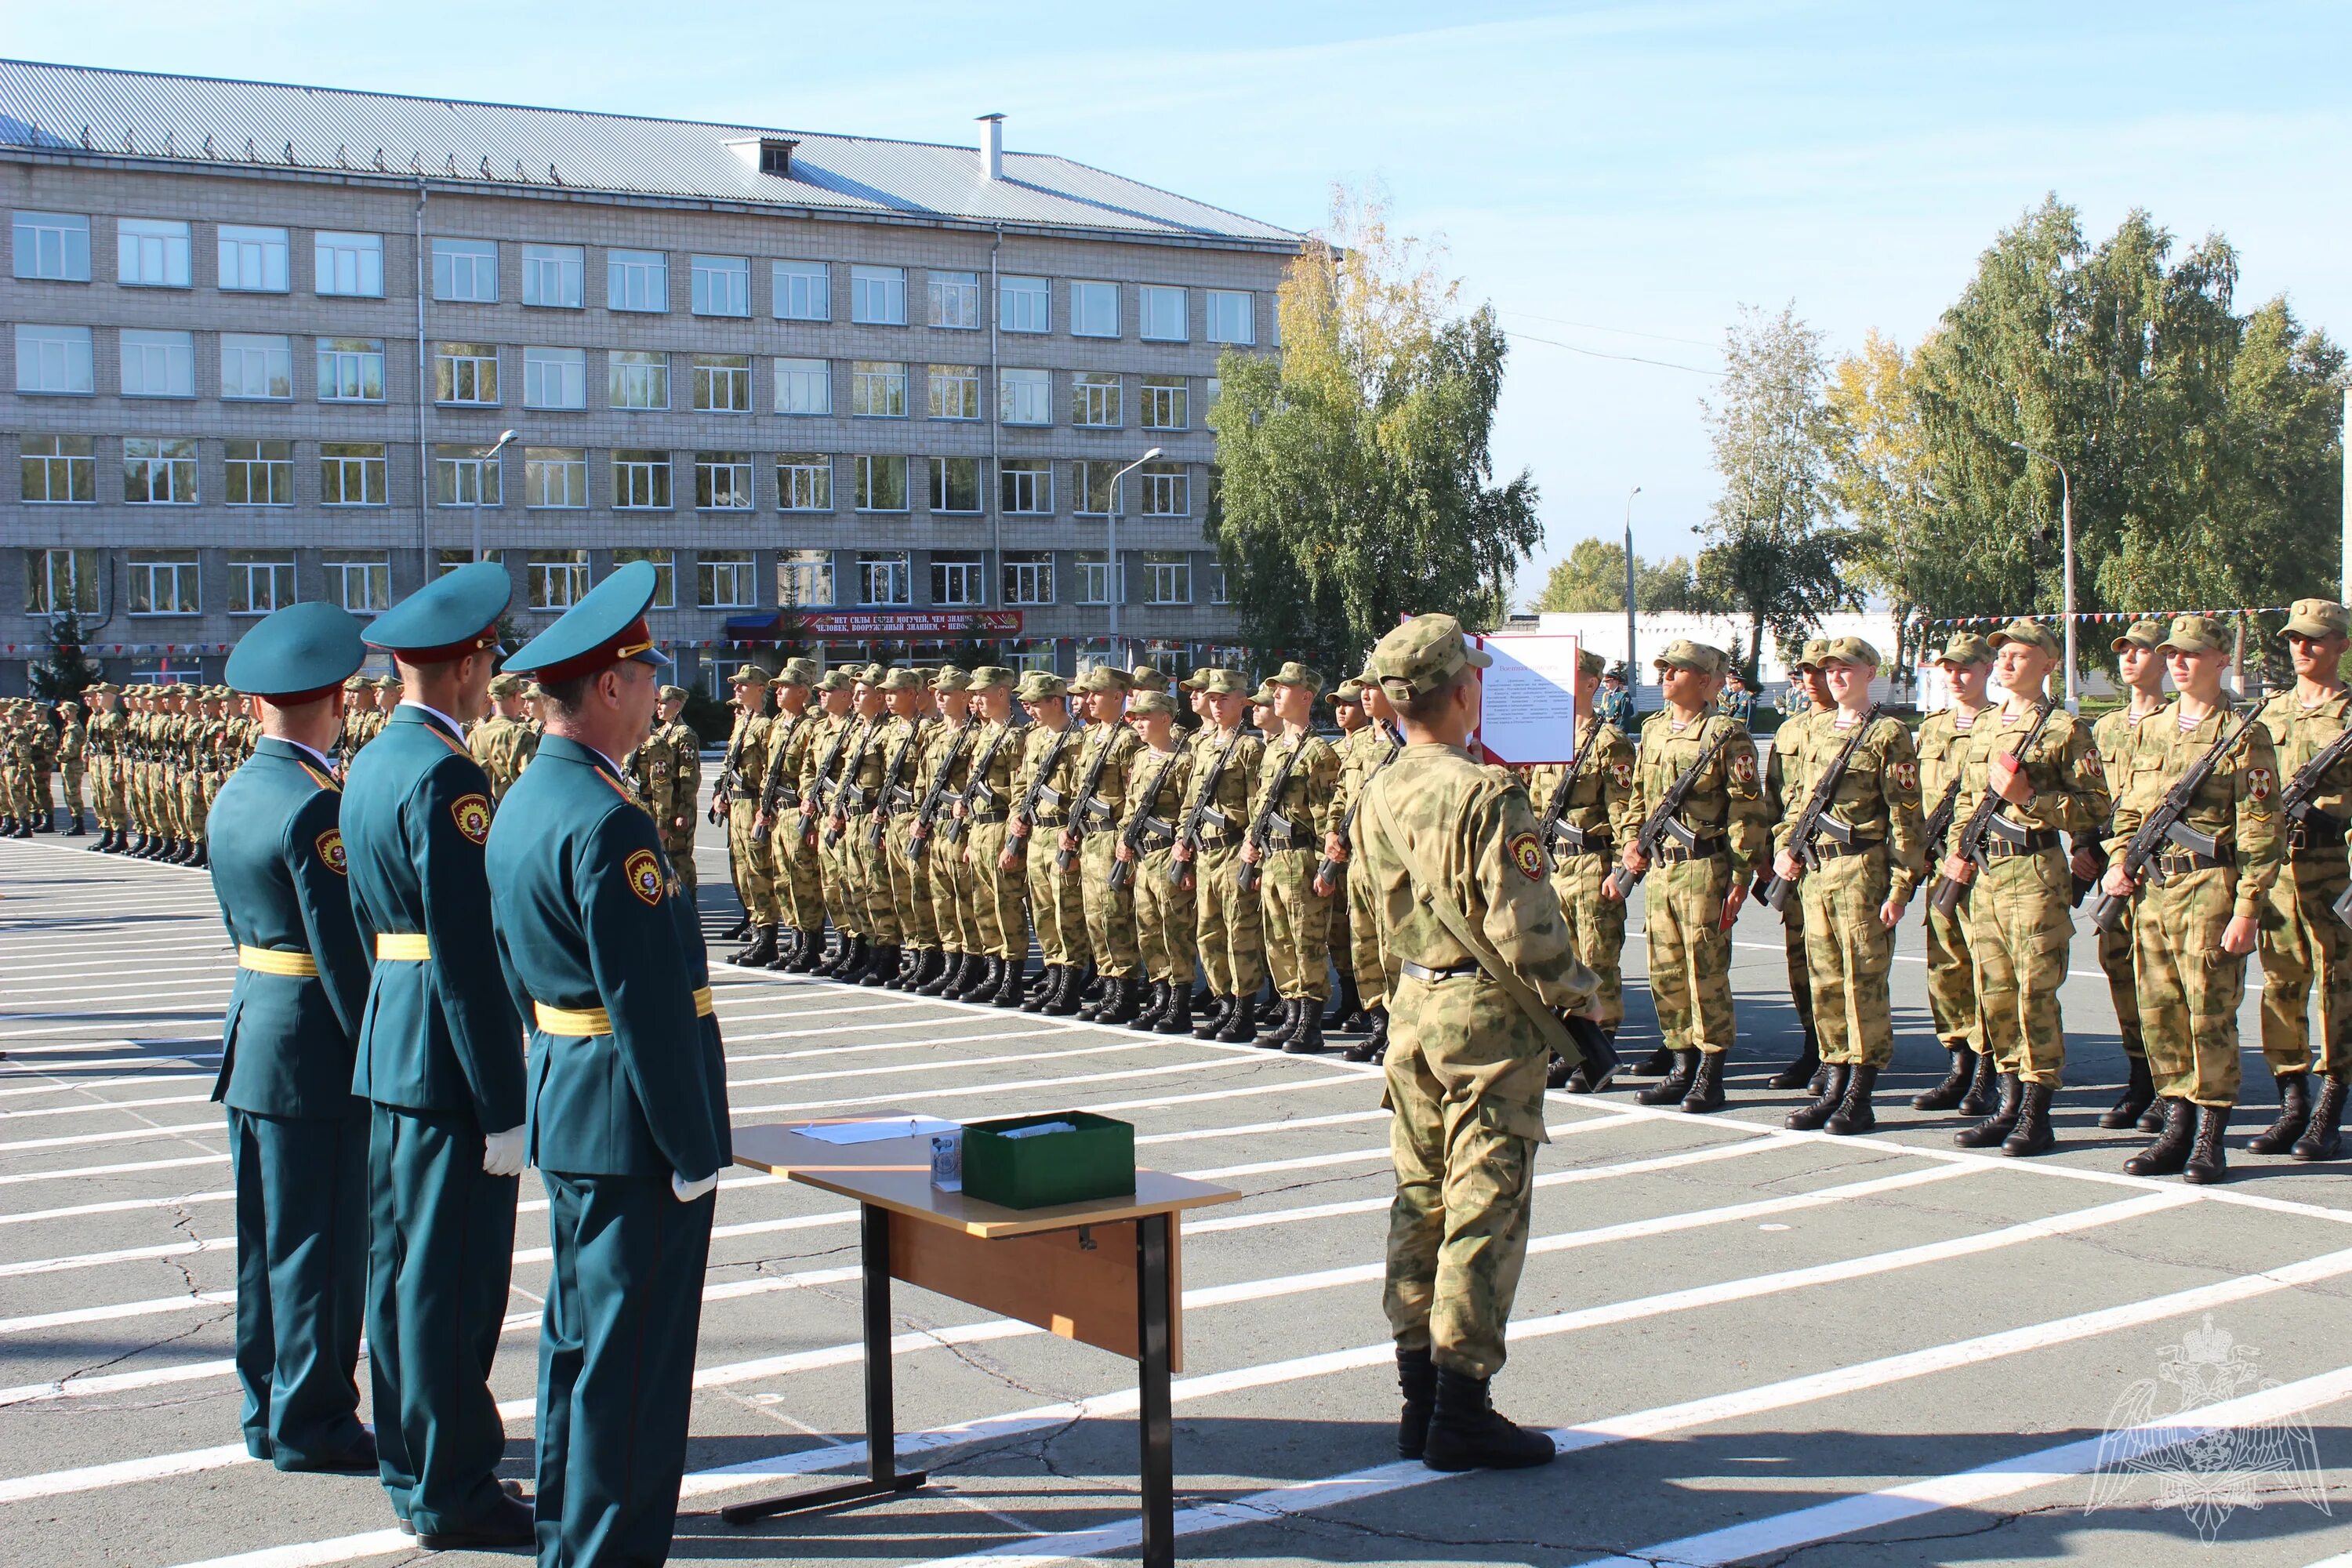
<point x="1670" y="1089"/>
<point x="1212" y="1018"/>
<point x="1417" y="1380"/>
<point x="1855" y="1114"/>
<point x="1984" y="1088"/>
<point x="2207" y="1162"/>
<point x="1155" y="1003"/>
<point x="987" y="980"/>
<point x="1948" y="1095"/>
<point x="788" y="947"/>
<point x="1011" y="990"/>
<point x="1278" y="1034"/>
<point x="1240" y="1027"/>
<point x="2139" y="1093"/>
<point x="882" y="960"/>
<point x="1063" y="1001"/>
<point x="1800" y="1072"/>
<point x="1657" y="1063"/>
<point x="1274" y="1009"/>
<point x="1815" y="1113"/>
<point x="74" y="831"/>
<point x="1037" y="991"/>
<point x="1585" y="1079"/>
<point x="1345" y="1009"/>
<point x="763" y="949"/>
<point x="1093" y="991"/>
<point x="2320" y="1137"/>
<point x="1306" y="1039"/>
<point x="2295" y="1115"/>
<point x="1707" y="1084"/>
<point x="1122" y="996"/>
<point x="1997" y="1127"/>
<point x="1467" y="1434"/>
<point x="945" y="982"/>
<point x="204" y="855"/>
<point x="810" y="957"/>
<point x="2031" y="1135"/>
<point x="1375" y="1043"/>
<point x="104" y="843"/>
<point x="1556" y="1075"/>
<point x="1178" y="1018"/>
<point x="738" y="931"/>
<point x="2169" y="1153"/>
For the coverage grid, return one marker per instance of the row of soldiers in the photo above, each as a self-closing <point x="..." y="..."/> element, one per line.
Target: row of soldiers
<point x="154" y="758"/>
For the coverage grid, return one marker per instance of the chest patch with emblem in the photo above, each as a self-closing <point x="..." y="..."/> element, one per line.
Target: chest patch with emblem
<point x="330" y="850"/>
<point x="1527" y="855"/>
<point x="643" y="869"/>
<point x="472" y="814"/>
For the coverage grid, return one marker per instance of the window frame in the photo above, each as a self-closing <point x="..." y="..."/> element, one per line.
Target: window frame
<point x="179" y="362"/>
<point x="792" y="372"/>
<point x="792" y="566"/>
<point x="1033" y="313"/>
<point x="650" y="366"/>
<point x="707" y="373"/>
<point x="85" y="571"/>
<point x="1157" y="481"/>
<point x="792" y="468"/>
<point x="864" y="279"/>
<point x="900" y="568"/>
<point x="538" y="462"/>
<point x="953" y="294"/>
<point x="275" y="472"/>
<point x="1027" y="470"/>
<point x="1216" y="332"/>
<point x="1013" y="395"/>
<point x="740" y="568"/>
<point x="1088" y="565"/>
<point x="655" y="463"/>
<point x="370" y="461"/>
<point x="869" y="376"/>
<point x="172" y="240"/>
<point x="234" y="244"/>
<point x="565" y="265"/>
<point x="861" y="484"/>
<point x="57" y="463"/>
<point x="644" y="274"/>
<point x="664" y="561"/>
<point x="453" y="460"/>
<point x="965" y="569"/>
<point x="76" y="358"/>
<point x="245" y="345"/>
<point x="705" y="272"/>
<point x="373" y="568"/>
<point x="1096" y="392"/>
<point x="326" y="249"/>
<point x="1147" y="296"/>
<point x="737" y="469"/>
<point x="185" y="573"/>
<point x="1155" y="390"/>
<point x="539" y="359"/>
<point x="1171" y="569"/>
<point x="176" y="461"/>
<point x="476" y="255"/>
<point x="544" y="568"/>
<point x="359" y="356"/>
<point x="1086" y="306"/>
<point x="1032" y="567"/>
<point x="65" y="229"/>
<point x="962" y="378"/>
<point x="939" y="486"/>
<point x="787" y="277"/>
<point x="454" y="373"/>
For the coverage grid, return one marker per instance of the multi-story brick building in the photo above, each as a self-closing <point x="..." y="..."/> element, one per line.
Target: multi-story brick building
<point x="262" y="340"/>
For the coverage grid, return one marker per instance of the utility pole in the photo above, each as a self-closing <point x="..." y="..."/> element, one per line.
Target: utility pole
<point x="1632" y="669"/>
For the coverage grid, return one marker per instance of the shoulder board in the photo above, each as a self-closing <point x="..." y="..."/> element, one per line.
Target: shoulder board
<point x="317" y="777"/>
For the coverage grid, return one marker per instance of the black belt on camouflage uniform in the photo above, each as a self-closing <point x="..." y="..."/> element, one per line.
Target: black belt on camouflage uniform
<point x="2036" y="841"/>
<point x="2319" y="836"/>
<point x="1831" y="850"/>
<point x="1672" y="854"/>
<point x="1422" y="973"/>
<point x="2179" y="862"/>
<point x="982" y="818"/>
<point x="1300" y="838"/>
<point x="1582" y="840"/>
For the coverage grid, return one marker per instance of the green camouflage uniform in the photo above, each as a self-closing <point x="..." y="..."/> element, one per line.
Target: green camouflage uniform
<point x="1594" y="826"/>
<point x="799" y="890"/>
<point x="1000" y="924"/>
<point x="947" y="880"/>
<point x="1951" y="964"/>
<point x="2300" y="935"/>
<point x="668" y="766"/>
<point x="1056" y="908"/>
<point x="1297" y="918"/>
<point x="1361" y="755"/>
<point x="1690" y="955"/>
<point x="1230" y="921"/>
<point x="890" y="903"/>
<point x="1109" y="911"/>
<point x="1167" y="929"/>
<point x="2113" y="737"/>
<point x="755" y="873"/>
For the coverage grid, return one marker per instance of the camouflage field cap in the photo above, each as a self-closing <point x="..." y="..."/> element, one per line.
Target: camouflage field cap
<point x="990" y="677"/>
<point x="799" y="672"/>
<point x="902" y="679"/>
<point x="1963" y="647"/>
<point x="387" y="683"/>
<point x="2033" y="634"/>
<point x="532" y="692"/>
<point x="1815" y="650"/>
<point x="1684" y="654"/>
<point x="1349" y="692"/>
<point x="1198" y="680"/>
<point x="352" y="683"/>
<point x="1148" y="703"/>
<point x="749" y="675"/>
<point x="1263" y="695"/>
<point x="866" y="674"/>
<point x="1041" y="686"/>
<point x="68" y="706"/>
<point x="1294" y="673"/>
<point x="834" y="680"/>
<point x="1589" y="662"/>
<point x="1422" y="655"/>
<point x="1224" y="683"/>
<point x="672" y="694"/>
<point x="1104" y="678"/>
<point x="1148" y="677"/>
<point x="2195" y="633"/>
<point x="950" y="678"/>
<point x="109" y="688"/>
<point x="1851" y="650"/>
<point x="506" y="684"/>
<point x="2139" y="633"/>
<point x="2316" y="618"/>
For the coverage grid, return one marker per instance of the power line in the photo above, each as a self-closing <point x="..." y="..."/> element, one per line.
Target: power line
<point x="1621" y="332"/>
<point x="1597" y="354"/>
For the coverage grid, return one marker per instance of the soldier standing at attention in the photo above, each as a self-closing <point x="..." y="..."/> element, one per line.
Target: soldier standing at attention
<point x="1049" y="754"/>
<point x="2140" y="664"/>
<point x="108" y="763"/>
<point x="440" y="1058"/>
<point x="799" y="896"/>
<point x="901" y="932"/>
<point x="859" y="777"/>
<point x="1359" y="746"/>
<point x="669" y="771"/>
<point x="1470" y="923"/>
<point x="1297" y="918"/>
<point x="2300" y="935"/>
<point x="629" y="1093"/>
<point x="1943" y="743"/>
<point x="2192" y="930"/>
<point x="829" y="742"/>
<point x="1166" y="936"/>
<point x="1375" y="744"/>
<point x="1591" y="824"/>
<point x="739" y="793"/>
<point x="502" y="743"/>
<point x="297" y="1136"/>
<point x="73" y="753"/>
<point x="1784" y="790"/>
<point x="1106" y="755"/>
<point x="997" y="918"/>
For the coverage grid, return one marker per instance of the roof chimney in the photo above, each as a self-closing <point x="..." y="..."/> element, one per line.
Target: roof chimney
<point x="992" y="147"/>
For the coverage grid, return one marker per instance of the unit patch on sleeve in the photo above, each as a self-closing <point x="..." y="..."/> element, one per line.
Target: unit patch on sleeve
<point x="473" y="814"/>
<point x="1527" y="855"/>
<point x="330" y="850"/>
<point x="644" y="872"/>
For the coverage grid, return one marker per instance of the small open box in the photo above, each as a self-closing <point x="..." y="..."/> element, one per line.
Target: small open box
<point x="1095" y="1160"/>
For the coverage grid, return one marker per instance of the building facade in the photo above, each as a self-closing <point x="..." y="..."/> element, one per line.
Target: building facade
<point x="262" y="340"/>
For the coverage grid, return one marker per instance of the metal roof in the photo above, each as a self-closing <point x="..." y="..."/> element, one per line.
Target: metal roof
<point x="83" y="110"/>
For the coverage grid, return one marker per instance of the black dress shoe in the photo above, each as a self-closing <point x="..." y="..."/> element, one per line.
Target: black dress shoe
<point x="512" y="1524"/>
<point x="359" y="1459"/>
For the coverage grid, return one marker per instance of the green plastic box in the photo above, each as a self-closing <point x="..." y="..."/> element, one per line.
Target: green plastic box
<point x="1096" y="1161"/>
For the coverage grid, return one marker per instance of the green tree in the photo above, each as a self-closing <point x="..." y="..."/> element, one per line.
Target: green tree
<point x="1879" y="473"/>
<point x="1593" y="578"/>
<point x="66" y="671"/>
<point x="1356" y="481"/>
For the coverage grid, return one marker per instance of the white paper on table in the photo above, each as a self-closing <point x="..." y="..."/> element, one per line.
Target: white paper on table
<point x="875" y="1131"/>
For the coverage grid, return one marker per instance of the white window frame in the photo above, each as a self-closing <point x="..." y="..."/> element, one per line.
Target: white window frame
<point x="665" y="565"/>
<point x="179" y="569"/>
<point x="1167" y="577"/>
<point x="554" y="478"/>
<point x="158" y="363"/>
<point x="62" y="580"/>
<point x="254" y="259"/>
<point x="719" y="384"/>
<point x="346" y="362"/>
<point x="954" y="391"/>
<point x="954" y="300"/>
<point x="804" y="482"/>
<point x="723" y="482"/>
<point x="1091" y="568"/>
<point x="804" y="387"/>
<point x="51" y="248"/>
<point x="1229" y="316"/>
<point x="637" y="281"/>
<point x="1024" y="396"/>
<point x="1098" y="400"/>
<point x="940" y="471"/>
<point x="1093" y="310"/>
<point x="465" y="271"/>
<point x="1160" y="314"/>
<point x="250" y="360"/>
<point x="54" y="362"/>
<point x="800" y="291"/>
<point x="1024" y="304"/>
<point x="265" y="472"/>
<point x="554" y="580"/>
<point x="878" y="389"/>
<point x="466" y="375"/>
<point x="895" y="574"/>
<point x="878" y="295"/>
<point x="1028" y="577"/>
<point x="634" y="376"/>
<point x="959" y="579"/>
<point x="726" y="580"/>
<point x="347" y="265"/>
<point x="1026" y="478"/>
<point x="864" y="487"/>
<point x="269" y="571"/>
<point x="1167" y="490"/>
<point x="1083" y="476"/>
<point x="151" y="253"/>
<point x="67" y="477"/>
<point x="1165" y="403"/>
<point x="367" y="464"/>
<point x="555" y="277"/>
<point x="358" y="580"/>
<point x="460" y="472"/>
<point x="564" y="370"/>
<point x="642" y="470"/>
<point x="167" y="476"/>
<point x="720" y="285"/>
<point x="804" y="579"/>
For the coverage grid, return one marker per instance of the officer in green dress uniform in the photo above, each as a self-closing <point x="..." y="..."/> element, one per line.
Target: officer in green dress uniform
<point x="628" y="1089"/>
<point x="440" y="1056"/>
<point x="297" y="1136"/>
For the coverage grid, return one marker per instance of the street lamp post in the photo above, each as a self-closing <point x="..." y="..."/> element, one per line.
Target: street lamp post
<point x="1632" y="671"/>
<point x="1117" y="586"/>
<point x="2066" y="549"/>
<point x="488" y="458"/>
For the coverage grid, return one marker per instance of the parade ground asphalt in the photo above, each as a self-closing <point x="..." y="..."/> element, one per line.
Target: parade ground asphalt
<point x="1752" y="1345"/>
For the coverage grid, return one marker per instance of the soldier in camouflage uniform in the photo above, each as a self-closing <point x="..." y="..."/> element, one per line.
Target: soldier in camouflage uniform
<point x="2302" y="938"/>
<point x="2193" y="930"/>
<point x="1356" y="735"/>
<point x="2141" y="667"/>
<point x="737" y="797"/>
<point x="1369" y="750"/>
<point x="502" y="743"/>
<point x="1784" y="792"/>
<point x="1966" y="661"/>
<point x="800" y="892"/>
<point x="858" y="777"/>
<point x="939" y="877"/>
<point x="1472" y="928"/>
<point x="73" y="761"/>
<point x="1228" y="919"/>
<point x="1165" y="933"/>
<point x="1047" y="769"/>
<point x="903" y="926"/>
<point x="1592" y="823"/>
<point x="1698" y="889"/>
<point x="1297" y="918"/>
<point x="835" y="732"/>
<point x="667" y="767"/>
<point x="1112" y="743"/>
<point x="997" y="920"/>
<point x="104" y="734"/>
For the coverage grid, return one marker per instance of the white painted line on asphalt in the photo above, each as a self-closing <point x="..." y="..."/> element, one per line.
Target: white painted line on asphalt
<point x="216" y="1128"/>
<point x="17" y="1178"/>
<point x="1015" y="1085"/>
<point x="1339" y="1119"/>
<point x="75" y="1316"/>
<point x="20" y="1054"/>
<point x="120" y="1254"/>
<point x="949" y="1063"/>
<point x="7" y="1116"/>
<point x="118" y="1205"/>
<point x="91" y="1086"/>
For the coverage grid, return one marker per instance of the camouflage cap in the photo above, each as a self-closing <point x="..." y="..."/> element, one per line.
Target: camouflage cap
<point x="1851" y="650"/>
<point x="1349" y="692"/>
<point x="2033" y="634"/>
<point x="902" y="679"/>
<point x="871" y="674"/>
<point x="1963" y="647"/>
<point x="1104" y="678"/>
<point x="1294" y="673"/>
<point x="387" y="683"/>
<point x="353" y="682"/>
<point x="1198" y="680"/>
<point x="1684" y="654"/>
<point x="672" y="694"/>
<point x="1041" y="686"/>
<point x="1421" y="655"/>
<point x="799" y="672"/>
<point x="532" y="691"/>
<point x="749" y="675"/>
<point x="1815" y="650"/>
<point x="2194" y="633"/>
<point x="506" y="684"/>
<point x="1148" y="677"/>
<point x="990" y="677"/>
<point x="1589" y="663"/>
<point x="950" y="679"/>
<point x="924" y="672"/>
<point x="2316" y="618"/>
<point x="109" y="688"/>
<point x="834" y="680"/>
<point x="1263" y="695"/>
<point x="1224" y="683"/>
<point x="2139" y="633"/>
<point x="68" y="706"/>
<point x="1147" y="703"/>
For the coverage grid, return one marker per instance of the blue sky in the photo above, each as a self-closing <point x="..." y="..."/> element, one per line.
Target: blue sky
<point x="1618" y="177"/>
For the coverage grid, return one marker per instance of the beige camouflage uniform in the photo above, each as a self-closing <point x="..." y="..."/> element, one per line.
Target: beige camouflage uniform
<point x="2302" y="939"/>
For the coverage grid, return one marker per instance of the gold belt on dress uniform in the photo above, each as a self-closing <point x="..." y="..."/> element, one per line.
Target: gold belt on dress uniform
<point x="586" y="1023"/>
<point x="413" y="946"/>
<point x="270" y="961"/>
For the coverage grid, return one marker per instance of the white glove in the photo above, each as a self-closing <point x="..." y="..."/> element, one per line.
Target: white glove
<point x="687" y="1192"/>
<point x="502" y="1153"/>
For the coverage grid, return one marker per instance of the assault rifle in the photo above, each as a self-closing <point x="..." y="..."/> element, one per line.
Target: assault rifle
<point x="1140" y="822"/>
<point x="886" y="795"/>
<point x="1939" y="826"/>
<point x="1815" y="819"/>
<point x="2295" y="801"/>
<point x="1987" y="821"/>
<point x="1087" y="806"/>
<point x="847" y="797"/>
<point x="824" y="784"/>
<point x="1254" y="872"/>
<point x="2168" y="825"/>
<point x="933" y="797"/>
<point x="771" y="789"/>
<point x="1552" y="828"/>
<point x="1188" y="834"/>
<point x="1328" y="872"/>
<point x="730" y="782"/>
<point x="1026" y="812"/>
<point x="1664" y="823"/>
<point x="975" y="785"/>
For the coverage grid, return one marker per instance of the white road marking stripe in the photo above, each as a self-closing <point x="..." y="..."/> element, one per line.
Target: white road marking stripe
<point x="93" y="1085"/>
<point x="7" y="1116"/>
<point x="20" y="1177"/>
<point x="118" y="1205"/>
<point x="120" y="1254"/>
<point x="947" y="1063"/>
<point x="215" y="1129"/>
<point x="1016" y="1085"/>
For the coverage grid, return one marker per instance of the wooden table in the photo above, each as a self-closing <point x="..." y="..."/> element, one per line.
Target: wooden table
<point x="1105" y="1273"/>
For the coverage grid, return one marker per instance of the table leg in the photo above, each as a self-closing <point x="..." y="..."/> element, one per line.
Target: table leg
<point x="882" y="1477"/>
<point x="1152" y="1309"/>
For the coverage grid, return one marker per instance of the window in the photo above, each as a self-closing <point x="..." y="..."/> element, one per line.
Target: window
<point x="803" y="386"/>
<point x="639" y="379"/>
<point x="1093" y="310"/>
<point x="665" y="574"/>
<point x="158" y="364"/>
<point x="1162" y="313"/>
<point x="1167" y="490"/>
<point x="723" y="482"/>
<point x="255" y="260"/>
<point x="466" y="372"/>
<point x="465" y="475"/>
<point x="1229" y="317"/>
<point x="555" y="378"/>
<point x="1166" y="403"/>
<point x="255" y="366"/>
<point x="881" y="483"/>
<point x="803" y="577"/>
<point x="260" y="581"/>
<point x="802" y="292"/>
<point x="955" y="484"/>
<point x="163" y="583"/>
<point x="1028" y="577"/>
<point x="955" y="300"/>
<point x="359" y="579"/>
<point x="554" y="275"/>
<point x="877" y="390"/>
<point x="151" y="253"/>
<point x="878" y="296"/>
<point x="53" y="245"/>
<point x="722" y="382"/>
<point x="804" y="482"/>
<point x="1094" y="578"/>
<point x="1095" y="398"/>
<point x="1167" y="577"/>
<point x="636" y="280"/>
<point x="56" y="581"/>
<point x="1025" y="396"/>
<point x="723" y="580"/>
<point x="555" y="477"/>
<point x="57" y="469"/>
<point x="957" y="578"/>
<point x="448" y="561"/>
<point x="260" y="473"/>
<point x="159" y="472"/>
<point x="53" y="359"/>
<point x="722" y="284"/>
<point x="351" y="370"/>
<point x="1214" y="390"/>
<point x="1028" y="485"/>
<point x="882" y="578"/>
<point x="465" y="269"/>
<point x="641" y="481"/>
<point x="955" y="391"/>
<point x="1024" y="305"/>
<point x="555" y="579"/>
<point x="349" y="263"/>
<point x="351" y="473"/>
<point x="1217" y="585"/>
<point x="1093" y="486"/>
